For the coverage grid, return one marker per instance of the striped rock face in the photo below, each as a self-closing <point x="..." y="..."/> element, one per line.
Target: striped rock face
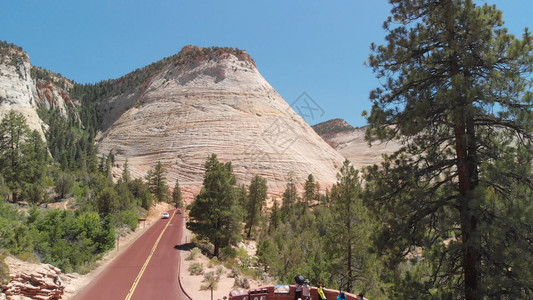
<point x="21" y="92"/>
<point x="213" y="103"/>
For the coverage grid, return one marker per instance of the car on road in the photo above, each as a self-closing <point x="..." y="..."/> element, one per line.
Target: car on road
<point x="165" y="215"/>
<point x="178" y="211"/>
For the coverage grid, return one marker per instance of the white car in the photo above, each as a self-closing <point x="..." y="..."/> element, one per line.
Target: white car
<point x="165" y="215"/>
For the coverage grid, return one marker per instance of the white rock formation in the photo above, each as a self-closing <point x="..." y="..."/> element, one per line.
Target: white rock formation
<point x="214" y="104"/>
<point x="351" y="144"/>
<point x="17" y="90"/>
<point x="24" y="94"/>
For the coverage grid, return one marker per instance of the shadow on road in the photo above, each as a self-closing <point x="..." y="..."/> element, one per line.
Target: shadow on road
<point x="186" y="247"/>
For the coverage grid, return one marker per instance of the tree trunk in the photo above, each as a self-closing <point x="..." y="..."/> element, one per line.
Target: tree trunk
<point x="466" y="165"/>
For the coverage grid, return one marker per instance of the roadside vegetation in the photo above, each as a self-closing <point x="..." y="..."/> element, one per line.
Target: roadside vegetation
<point x="98" y="210"/>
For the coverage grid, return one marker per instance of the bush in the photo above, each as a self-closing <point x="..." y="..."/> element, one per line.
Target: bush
<point x="193" y="254"/>
<point x="64" y="185"/>
<point x="241" y="282"/>
<point x="4" y="269"/>
<point x="196" y="269"/>
<point x="228" y="253"/>
<point x="129" y="218"/>
<point x="213" y="262"/>
<point x="220" y="271"/>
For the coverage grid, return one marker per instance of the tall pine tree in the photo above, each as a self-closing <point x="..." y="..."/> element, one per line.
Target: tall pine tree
<point x="215" y="213"/>
<point x="457" y="93"/>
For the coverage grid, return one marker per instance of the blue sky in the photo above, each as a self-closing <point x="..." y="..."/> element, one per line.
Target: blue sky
<point x="311" y="46"/>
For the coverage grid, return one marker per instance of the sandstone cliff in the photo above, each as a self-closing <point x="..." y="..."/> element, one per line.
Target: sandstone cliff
<point x="207" y="101"/>
<point x="25" y="89"/>
<point x="350" y="143"/>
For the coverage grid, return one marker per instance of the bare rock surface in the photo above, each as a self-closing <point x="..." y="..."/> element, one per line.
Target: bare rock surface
<point x="214" y="104"/>
<point x="17" y="90"/>
<point x="32" y="281"/>
<point x="21" y="92"/>
<point x="350" y="143"/>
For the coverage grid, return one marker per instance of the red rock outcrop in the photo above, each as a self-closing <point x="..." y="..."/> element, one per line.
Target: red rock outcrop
<point x="32" y="281"/>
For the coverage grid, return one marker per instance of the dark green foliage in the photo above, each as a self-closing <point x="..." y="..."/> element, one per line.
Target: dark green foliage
<point x="289" y="200"/>
<point x="70" y="239"/>
<point x="142" y="192"/>
<point x="129" y="218"/>
<point x="64" y="184"/>
<point x="157" y="181"/>
<point x="255" y="202"/>
<point x="176" y="195"/>
<point x="14" y="235"/>
<point x="5" y="47"/>
<point x="126" y="177"/>
<point x="349" y="232"/>
<point x="332" y="126"/>
<point x="311" y="190"/>
<point x="329" y="243"/>
<point x="22" y="154"/>
<point x="35" y="193"/>
<point x="457" y="93"/>
<point x="69" y="144"/>
<point x="215" y="213"/>
<point x="107" y="201"/>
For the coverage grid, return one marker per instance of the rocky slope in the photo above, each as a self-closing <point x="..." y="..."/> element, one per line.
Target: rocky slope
<point x="33" y="281"/>
<point x="350" y="143"/>
<point x="207" y="101"/>
<point x="25" y="89"/>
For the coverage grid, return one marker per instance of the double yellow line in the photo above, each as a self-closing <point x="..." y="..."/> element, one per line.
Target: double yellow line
<point x="136" y="282"/>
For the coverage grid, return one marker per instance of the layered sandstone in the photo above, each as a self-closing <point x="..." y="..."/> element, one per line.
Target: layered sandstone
<point x="212" y="101"/>
<point x="350" y="143"/>
<point x="32" y="281"/>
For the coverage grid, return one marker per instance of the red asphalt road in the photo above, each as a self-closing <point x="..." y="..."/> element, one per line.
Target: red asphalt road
<point x="159" y="280"/>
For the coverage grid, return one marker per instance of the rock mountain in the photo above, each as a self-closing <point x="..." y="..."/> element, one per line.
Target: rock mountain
<point x="350" y="143"/>
<point x="185" y="107"/>
<point x="25" y="88"/>
<point x="213" y="100"/>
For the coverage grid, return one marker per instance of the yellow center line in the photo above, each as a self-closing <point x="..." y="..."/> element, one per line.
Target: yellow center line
<point x="136" y="282"/>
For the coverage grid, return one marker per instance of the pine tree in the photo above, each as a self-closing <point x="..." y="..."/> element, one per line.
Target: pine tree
<point x="275" y="217"/>
<point x="176" y="195"/>
<point x="347" y="241"/>
<point x="289" y="199"/>
<point x="157" y="178"/>
<point x="457" y="94"/>
<point x="126" y="177"/>
<point x="13" y="132"/>
<point x="256" y="200"/>
<point x="215" y="213"/>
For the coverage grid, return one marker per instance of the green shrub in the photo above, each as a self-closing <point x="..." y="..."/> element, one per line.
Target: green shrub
<point x="211" y="281"/>
<point x="213" y="262"/>
<point x="228" y="253"/>
<point x="196" y="268"/>
<point x="28" y="256"/>
<point x="129" y="218"/>
<point x="193" y="254"/>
